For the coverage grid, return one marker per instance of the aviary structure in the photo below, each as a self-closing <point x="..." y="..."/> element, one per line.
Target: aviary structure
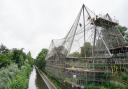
<point x="91" y="54"/>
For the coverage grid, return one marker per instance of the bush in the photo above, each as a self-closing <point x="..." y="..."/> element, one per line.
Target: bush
<point x="21" y="79"/>
<point x="6" y="75"/>
<point x="13" y="78"/>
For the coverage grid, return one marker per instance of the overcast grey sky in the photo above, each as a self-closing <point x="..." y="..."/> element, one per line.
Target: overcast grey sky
<point x="32" y="24"/>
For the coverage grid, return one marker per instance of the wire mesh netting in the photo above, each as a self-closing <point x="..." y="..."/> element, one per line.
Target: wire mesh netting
<point x="92" y="52"/>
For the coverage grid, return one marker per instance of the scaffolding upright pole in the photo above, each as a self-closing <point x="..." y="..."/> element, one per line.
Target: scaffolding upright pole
<point x="93" y="50"/>
<point x="84" y="39"/>
<point x="84" y="29"/>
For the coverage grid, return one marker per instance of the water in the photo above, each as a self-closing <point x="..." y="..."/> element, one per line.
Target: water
<point x="35" y="81"/>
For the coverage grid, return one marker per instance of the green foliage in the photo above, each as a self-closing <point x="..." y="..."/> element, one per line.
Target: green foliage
<point x="55" y="81"/>
<point x="21" y="79"/>
<point x="4" y="60"/>
<point x="75" y="54"/>
<point x="86" y="49"/>
<point x="6" y="75"/>
<point x="14" y="56"/>
<point x="18" y="57"/>
<point x="42" y="54"/>
<point x="12" y="77"/>
<point x="122" y="29"/>
<point x="30" y="59"/>
<point x="5" y="56"/>
<point x="3" y="49"/>
<point x="124" y="32"/>
<point x="15" y="67"/>
<point x="102" y="87"/>
<point x="40" y="60"/>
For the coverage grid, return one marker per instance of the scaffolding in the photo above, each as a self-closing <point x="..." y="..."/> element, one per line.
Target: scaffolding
<point x="91" y="53"/>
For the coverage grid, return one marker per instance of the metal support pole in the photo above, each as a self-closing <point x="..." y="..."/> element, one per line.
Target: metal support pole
<point x="76" y="25"/>
<point x="93" y="50"/>
<point x="84" y="40"/>
<point x="94" y="42"/>
<point x="84" y="30"/>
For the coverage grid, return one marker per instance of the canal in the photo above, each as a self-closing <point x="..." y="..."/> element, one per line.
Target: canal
<point x="35" y="81"/>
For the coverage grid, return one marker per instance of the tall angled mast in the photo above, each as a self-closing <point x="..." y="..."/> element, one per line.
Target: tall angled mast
<point x="84" y="27"/>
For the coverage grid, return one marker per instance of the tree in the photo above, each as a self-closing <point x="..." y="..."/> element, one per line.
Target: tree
<point x="40" y="59"/>
<point x="5" y="56"/>
<point x="75" y="54"/>
<point x="124" y="31"/>
<point x="18" y="57"/>
<point x="3" y="49"/>
<point x="126" y="36"/>
<point x="86" y="49"/>
<point x="29" y="58"/>
<point x="4" y="60"/>
<point x="42" y="54"/>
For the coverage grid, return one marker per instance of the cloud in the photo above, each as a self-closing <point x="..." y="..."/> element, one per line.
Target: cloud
<point x="32" y="24"/>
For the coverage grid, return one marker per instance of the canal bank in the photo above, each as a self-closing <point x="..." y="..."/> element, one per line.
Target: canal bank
<point x="35" y="81"/>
